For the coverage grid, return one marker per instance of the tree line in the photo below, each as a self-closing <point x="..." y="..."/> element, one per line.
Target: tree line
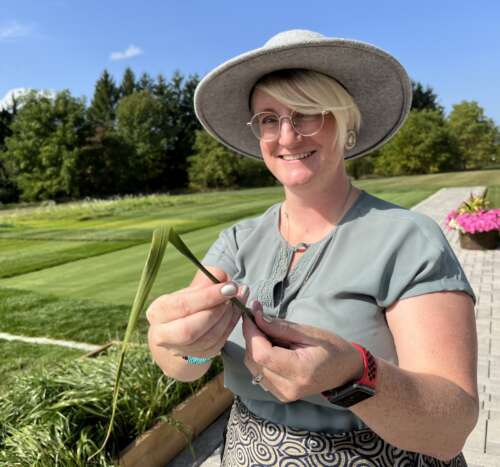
<point x="142" y="136"/>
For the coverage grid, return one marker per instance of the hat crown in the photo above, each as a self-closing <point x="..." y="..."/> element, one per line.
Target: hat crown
<point x="294" y="36"/>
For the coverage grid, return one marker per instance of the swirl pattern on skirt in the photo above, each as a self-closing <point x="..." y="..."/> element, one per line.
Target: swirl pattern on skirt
<point x="252" y="441"/>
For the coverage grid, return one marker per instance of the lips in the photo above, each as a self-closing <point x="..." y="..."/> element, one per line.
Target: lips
<point x="296" y="157"/>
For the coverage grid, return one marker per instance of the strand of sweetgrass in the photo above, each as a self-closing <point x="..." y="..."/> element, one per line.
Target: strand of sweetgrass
<point x="161" y="236"/>
<point x="148" y="277"/>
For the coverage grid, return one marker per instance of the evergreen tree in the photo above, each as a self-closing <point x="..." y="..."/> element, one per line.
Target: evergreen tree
<point x="476" y="134"/>
<point x="185" y="124"/>
<point x="102" y="108"/>
<point x="145" y="83"/>
<point x="127" y="85"/>
<point x="424" y="98"/>
<point x="161" y="89"/>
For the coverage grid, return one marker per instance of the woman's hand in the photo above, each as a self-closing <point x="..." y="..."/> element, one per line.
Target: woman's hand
<point x="195" y="321"/>
<point x="315" y="361"/>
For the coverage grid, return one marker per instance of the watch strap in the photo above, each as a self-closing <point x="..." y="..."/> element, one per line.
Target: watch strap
<point x="355" y="391"/>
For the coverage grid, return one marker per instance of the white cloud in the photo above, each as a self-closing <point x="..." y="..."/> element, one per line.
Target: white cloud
<point x="13" y="30"/>
<point x="132" y="51"/>
<point x="7" y="101"/>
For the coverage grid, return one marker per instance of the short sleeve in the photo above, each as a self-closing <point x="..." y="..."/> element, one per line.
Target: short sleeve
<point x="422" y="262"/>
<point x="222" y="253"/>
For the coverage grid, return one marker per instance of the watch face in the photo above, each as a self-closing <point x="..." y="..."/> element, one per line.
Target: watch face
<point x="349" y="396"/>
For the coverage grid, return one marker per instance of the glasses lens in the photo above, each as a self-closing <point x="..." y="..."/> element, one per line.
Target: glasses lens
<point x="265" y="125"/>
<point x="307" y="125"/>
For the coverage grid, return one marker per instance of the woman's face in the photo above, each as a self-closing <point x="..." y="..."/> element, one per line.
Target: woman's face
<point x="322" y="159"/>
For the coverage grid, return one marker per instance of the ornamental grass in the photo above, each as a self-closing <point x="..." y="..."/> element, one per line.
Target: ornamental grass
<point x="59" y="416"/>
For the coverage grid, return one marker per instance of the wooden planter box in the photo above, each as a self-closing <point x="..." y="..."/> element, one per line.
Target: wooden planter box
<point x="163" y="442"/>
<point x="479" y="240"/>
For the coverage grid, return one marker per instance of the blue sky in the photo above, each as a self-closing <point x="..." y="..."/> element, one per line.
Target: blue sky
<point x="453" y="46"/>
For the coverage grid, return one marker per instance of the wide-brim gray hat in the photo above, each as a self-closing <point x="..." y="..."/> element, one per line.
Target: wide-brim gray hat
<point x="377" y="82"/>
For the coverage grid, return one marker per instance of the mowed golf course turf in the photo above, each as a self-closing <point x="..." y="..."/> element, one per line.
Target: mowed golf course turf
<point x="70" y="271"/>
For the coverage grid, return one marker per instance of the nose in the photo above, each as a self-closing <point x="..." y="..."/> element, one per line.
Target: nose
<point x="287" y="134"/>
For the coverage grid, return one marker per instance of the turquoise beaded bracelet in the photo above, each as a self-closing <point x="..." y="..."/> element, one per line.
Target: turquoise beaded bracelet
<point x="196" y="360"/>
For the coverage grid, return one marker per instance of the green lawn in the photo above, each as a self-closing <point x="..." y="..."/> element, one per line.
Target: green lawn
<point x="113" y="278"/>
<point x="136" y="223"/>
<point x="23" y="256"/>
<point x="24" y="312"/>
<point x="82" y="289"/>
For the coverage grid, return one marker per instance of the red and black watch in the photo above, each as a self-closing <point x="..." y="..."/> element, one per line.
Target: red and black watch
<point x="357" y="391"/>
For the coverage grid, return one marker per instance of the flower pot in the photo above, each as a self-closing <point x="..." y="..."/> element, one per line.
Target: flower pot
<point x="479" y="240"/>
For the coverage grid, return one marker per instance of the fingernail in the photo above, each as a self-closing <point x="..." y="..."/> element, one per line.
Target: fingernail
<point x="229" y="289"/>
<point x="267" y="318"/>
<point x="244" y="291"/>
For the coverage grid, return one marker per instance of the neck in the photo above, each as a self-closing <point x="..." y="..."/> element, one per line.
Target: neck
<point x="311" y="215"/>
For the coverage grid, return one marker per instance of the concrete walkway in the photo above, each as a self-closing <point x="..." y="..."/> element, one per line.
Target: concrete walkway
<point x="483" y="271"/>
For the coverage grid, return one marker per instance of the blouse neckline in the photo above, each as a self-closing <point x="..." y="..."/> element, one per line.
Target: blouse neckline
<point x="312" y="245"/>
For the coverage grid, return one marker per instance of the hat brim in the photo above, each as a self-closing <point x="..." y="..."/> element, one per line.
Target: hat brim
<point x="377" y="82"/>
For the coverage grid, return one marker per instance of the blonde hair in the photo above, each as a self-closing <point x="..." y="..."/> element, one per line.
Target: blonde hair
<point x="311" y="92"/>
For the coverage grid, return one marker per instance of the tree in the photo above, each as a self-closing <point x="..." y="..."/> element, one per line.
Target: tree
<point x="423" y="145"/>
<point x="145" y="83"/>
<point x="182" y="119"/>
<point x="103" y="166"/>
<point x="137" y="124"/>
<point x="102" y="108"/>
<point x="424" y="98"/>
<point x="9" y="191"/>
<point x="127" y="85"/>
<point x="362" y="166"/>
<point x="214" y="166"/>
<point x="475" y="133"/>
<point x="46" y="136"/>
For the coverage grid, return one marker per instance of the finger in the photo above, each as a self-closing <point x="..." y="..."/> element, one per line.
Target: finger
<point x="289" y="331"/>
<point x="184" y="331"/>
<point x="189" y="301"/>
<point x="217" y="336"/>
<point x="280" y="387"/>
<point x="229" y="329"/>
<point x="213" y="336"/>
<point x="281" y="361"/>
<point x="199" y="331"/>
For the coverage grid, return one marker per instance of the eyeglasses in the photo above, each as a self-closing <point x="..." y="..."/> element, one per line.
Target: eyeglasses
<point x="266" y="126"/>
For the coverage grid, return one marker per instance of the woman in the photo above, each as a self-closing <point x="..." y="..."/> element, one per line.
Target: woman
<point x="363" y="349"/>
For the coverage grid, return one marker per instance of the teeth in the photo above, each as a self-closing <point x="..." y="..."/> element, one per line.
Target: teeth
<point x="296" y="157"/>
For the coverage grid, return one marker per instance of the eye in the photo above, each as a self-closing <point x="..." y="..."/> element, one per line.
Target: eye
<point x="299" y="118"/>
<point x="268" y="119"/>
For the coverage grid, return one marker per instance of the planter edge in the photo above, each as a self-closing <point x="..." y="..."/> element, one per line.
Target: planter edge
<point x="160" y="444"/>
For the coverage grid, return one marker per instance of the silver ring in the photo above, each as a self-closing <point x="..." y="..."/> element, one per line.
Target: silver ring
<point x="257" y="379"/>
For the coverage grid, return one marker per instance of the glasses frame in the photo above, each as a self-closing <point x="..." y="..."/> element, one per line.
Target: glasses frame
<point x="283" y="117"/>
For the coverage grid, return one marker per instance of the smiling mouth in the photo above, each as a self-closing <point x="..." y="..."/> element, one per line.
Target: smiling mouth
<point x="296" y="157"/>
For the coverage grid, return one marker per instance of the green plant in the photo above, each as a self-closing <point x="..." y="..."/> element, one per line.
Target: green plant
<point x="58" y="416"/>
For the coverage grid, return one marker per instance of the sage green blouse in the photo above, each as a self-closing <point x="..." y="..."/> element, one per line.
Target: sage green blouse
<point x="379" y="253"/>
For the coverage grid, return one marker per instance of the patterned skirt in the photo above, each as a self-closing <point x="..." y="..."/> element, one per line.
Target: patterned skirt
<point x="252" y="441"/>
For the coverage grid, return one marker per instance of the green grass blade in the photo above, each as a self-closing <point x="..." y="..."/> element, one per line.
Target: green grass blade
<point x="149" y="273"/>
<point x="176" y="240"/>
<point x="161" y="237"/>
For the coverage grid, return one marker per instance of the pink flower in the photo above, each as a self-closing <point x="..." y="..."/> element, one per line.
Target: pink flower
<point x="472" y="222"/>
